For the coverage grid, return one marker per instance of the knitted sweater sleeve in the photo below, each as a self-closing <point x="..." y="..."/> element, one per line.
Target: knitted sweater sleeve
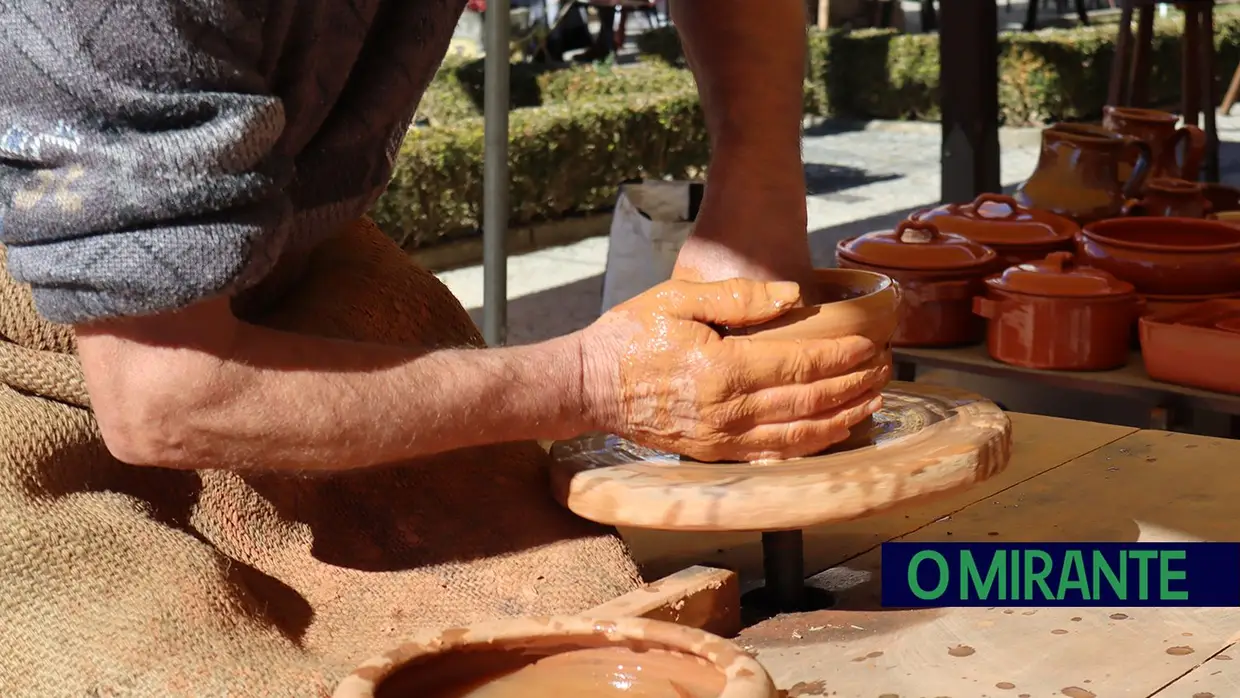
<point x="138" y="162"/>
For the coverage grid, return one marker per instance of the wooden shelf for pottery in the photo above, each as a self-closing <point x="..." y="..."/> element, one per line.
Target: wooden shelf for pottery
<point x="926" y="440"/>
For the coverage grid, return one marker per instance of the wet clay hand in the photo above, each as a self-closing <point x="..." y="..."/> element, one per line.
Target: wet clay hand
<point x="656" y="371"/>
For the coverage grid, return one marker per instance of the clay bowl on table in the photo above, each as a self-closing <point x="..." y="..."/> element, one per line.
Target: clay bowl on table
<point x="1056" y="315"/>
<point x="939" y="274"/>
<point x="562" y="657"/>
<point x="1016" y="233"/>
<point x="1165" y="256"/>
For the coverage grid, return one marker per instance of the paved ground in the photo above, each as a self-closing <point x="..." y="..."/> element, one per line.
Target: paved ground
<point x="859" y="181"/>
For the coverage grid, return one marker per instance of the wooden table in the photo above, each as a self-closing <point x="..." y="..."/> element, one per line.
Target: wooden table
<point x="1067" y="481"/>
<point x="1169" y="405"/>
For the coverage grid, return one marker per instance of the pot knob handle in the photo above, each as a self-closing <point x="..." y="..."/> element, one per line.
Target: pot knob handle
<point x="1012" y="205"/>
<point x="917" y="232"/>
<point x="1060" y="261"/>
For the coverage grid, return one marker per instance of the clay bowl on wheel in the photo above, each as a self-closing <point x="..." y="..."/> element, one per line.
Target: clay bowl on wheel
<point x="1165" y="256"/>
<point x="562" y="657"/>
<point x="856" y="302"/>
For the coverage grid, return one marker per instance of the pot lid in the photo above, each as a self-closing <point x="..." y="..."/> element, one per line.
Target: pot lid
<point x="995" y="219"/>
<point x="916" y="245"/>
<point x="1059" y="275"/>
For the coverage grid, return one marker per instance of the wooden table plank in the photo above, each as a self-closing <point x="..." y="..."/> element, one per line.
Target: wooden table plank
<point x="1148" y="486"/>
<point x="1130" y="381"/>
<point x="1217" y="678"/>
<point x="1038" y="444"/>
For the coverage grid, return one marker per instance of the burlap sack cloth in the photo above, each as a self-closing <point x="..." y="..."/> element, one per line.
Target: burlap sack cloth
<point x="124" y="581"/>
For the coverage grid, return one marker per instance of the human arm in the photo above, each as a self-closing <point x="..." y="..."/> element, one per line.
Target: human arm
<point x="749" y="63"/>
<point x="198" y="388"/>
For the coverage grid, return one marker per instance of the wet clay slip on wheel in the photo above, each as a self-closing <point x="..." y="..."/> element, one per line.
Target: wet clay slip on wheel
<point x="925" y="440"/>
<point x="562" y="657"/>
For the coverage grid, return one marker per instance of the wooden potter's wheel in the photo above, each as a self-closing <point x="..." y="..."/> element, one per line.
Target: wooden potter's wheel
<point x="926" y="440"/>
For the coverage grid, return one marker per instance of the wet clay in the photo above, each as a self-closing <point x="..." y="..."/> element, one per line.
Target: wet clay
<point x="602" y="672"/>
<point x="1180" y="651"/>
<point x="1077" y="692"/>
<point x="685" y="388"/>
<point x="960" y="651"/>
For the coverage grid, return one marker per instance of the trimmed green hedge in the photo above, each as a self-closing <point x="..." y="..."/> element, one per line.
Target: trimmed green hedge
<point x="564" y="159"/>
<point x="1044" y="76"/>
<point x="577" y="132"/>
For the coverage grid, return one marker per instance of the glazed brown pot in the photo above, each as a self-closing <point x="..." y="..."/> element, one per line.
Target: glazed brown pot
<point x="562" y="657"/>
<point x="1165" y="256"/>
<point x="1055" y="315"/>
<point x="1017" y="234"/>
<point x="1176" y="198"/>
<point x="1174" y="152"/>
<point x="1077" y="175"/>
<point x="939" y="273"/>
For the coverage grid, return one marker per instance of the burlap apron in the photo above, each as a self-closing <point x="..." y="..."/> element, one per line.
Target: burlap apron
<point x="124" y="581"/>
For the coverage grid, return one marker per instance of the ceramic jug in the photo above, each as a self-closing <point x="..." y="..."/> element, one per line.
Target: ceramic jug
<point x="1174" y="152"/>
<point x="1174" y="198"/>
<point x="1078" y="173"/>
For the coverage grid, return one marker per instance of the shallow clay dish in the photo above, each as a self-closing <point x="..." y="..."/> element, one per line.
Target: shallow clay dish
<point x="1165" y="256"/>
<point x="562" y="657"/>
<point x="1196" y="345"/>
<point x="926" y="440"/>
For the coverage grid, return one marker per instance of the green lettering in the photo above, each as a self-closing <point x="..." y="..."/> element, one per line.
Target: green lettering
<point x="1166" y="574"/>
<point x="971" y="576"/>
<point x="1038" y="577"/>
<point x="1143" y="571"/>
<point x="1014" y="594"/>
<point x="1073" y="576"/>
<point x="1102" y="568"/>
<point x="944" y="576"/>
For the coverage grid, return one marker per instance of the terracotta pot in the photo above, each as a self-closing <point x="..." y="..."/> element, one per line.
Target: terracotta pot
<point x="1174" y="152"/>
<point x="1055" y="315"/>
<point x="1077" y="175"/>
<point x="1222" y="197"/>
<point x="1165" y="256"/>
<point x="1168" y="197"/>
<point x="562" y="657"/>
<point x="1195" y="345"/>
<point x="939" y="274"/>
<point x="1017" y="234"/>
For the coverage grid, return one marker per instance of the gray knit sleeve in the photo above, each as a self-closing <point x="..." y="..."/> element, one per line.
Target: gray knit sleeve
<point x="138" y="162"/>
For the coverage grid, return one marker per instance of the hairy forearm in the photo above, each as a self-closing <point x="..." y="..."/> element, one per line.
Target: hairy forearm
<point x="749" y="73"/>
<point x="275" y="400"/>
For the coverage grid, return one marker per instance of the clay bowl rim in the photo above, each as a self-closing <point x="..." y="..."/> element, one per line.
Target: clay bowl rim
<point x="1089" y="231"/>
<point x="1174" y="185"/>
<point x="1089" y="132"/>
<point x="797" y="315"/>
<point x="744" y="676"/>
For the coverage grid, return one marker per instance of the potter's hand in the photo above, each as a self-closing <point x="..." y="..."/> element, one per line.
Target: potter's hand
<point x="657" y="372"/>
